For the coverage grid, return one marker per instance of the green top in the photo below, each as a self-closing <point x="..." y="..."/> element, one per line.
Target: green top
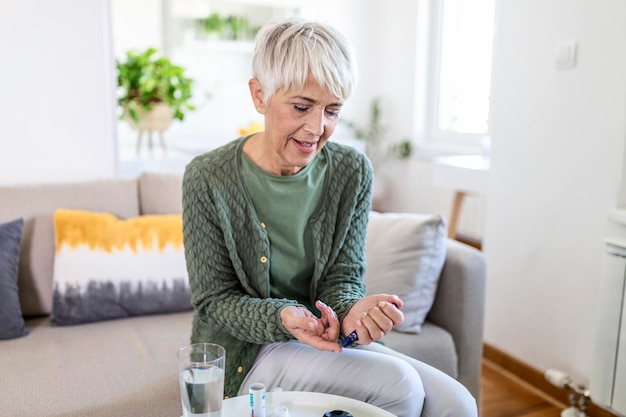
<point x="227" y="250"/>
<point x="285" y="205"/>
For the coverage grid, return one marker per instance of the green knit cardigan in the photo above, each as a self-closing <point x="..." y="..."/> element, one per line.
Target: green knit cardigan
<point x="227" y="252"/>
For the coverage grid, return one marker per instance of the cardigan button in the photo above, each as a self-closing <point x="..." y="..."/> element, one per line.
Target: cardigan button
<point x="240" y="369"/>
<point x="263" y="259"/>
<point x="263" y="225"/>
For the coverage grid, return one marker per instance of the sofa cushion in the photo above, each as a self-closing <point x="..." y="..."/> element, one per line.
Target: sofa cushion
<point x="160" y="193"/>
<point x="405" y="255"/>
<point x="11" y="320"/>
<point x="118" y="368"/>
<point x="108" y="268"/>
<point x="36" y="204"/>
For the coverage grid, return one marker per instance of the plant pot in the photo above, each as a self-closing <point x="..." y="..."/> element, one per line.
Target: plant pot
<point x="158" y="120"/>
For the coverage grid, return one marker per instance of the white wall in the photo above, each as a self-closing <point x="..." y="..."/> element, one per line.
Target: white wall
<point x="57" y="102"/>
<point x="138" y="25"/>
<point x="558" y="139"/>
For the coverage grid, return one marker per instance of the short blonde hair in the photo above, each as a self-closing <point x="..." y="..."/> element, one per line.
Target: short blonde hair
<point x="287" y="50"/>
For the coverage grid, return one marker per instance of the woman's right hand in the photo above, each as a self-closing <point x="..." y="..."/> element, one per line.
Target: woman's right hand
<point x="320" y="333"/>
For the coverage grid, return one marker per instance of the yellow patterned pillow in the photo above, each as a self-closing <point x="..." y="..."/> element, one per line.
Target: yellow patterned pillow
<point x="107" y="268"/>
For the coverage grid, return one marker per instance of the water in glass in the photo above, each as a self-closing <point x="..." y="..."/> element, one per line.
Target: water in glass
<point x="201" y="390"/>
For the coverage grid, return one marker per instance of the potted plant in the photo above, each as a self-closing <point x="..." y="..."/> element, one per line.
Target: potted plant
<point x="153" y="91"/>
<point x="373" y="136"/>
<point x="213" y="25"/>
<point x="378" y="151"/>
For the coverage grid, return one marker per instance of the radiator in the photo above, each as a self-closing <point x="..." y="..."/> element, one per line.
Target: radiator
<point x="608" y="379"/>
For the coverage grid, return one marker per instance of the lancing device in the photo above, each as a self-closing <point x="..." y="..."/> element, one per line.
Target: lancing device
<point x="353" y="337"/>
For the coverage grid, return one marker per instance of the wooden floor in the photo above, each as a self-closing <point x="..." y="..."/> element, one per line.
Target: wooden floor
<point x="503" y="396"/>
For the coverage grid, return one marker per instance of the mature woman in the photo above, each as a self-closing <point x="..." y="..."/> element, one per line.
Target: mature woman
<point x="275" y="226"/>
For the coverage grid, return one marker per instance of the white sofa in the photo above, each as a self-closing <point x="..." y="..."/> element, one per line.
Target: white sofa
<point x="128" y="366"/>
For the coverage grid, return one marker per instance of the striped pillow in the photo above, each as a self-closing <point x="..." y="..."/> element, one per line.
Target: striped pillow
<point x="106" y="268"/>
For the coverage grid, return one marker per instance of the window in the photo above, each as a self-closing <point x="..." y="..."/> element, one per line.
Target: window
<point x="461" y="71"/>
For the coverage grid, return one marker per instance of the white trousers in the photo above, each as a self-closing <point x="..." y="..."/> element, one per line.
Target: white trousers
<point x="372" y="373"/>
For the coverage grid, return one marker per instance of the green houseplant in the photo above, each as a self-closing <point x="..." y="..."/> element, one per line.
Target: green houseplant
<point x="213" y="25"/>
<point x="146" y="80"/>
<point x="379" y="150"/>
<point x="373" y="136"/>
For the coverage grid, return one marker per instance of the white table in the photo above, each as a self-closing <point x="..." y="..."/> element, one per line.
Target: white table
<point x="466" y="174"/>
<point x="303" y="404"/>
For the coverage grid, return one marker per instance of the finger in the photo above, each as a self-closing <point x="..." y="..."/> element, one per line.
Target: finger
<point x="327" y="312"/>
<point x="378" y="324"/>
<point x="319" y="343"/>
<point x="293" y="323"/>
<point x="363" y="326"/>
<point x="297" y="330"/>
<point x="397" y="302"/>
<point x="368" y="332"/>
<point x="333" y="326"/>
<point x="391" y="299"/>
<point x="392" y="312"/>
<point x="326" y="345"/>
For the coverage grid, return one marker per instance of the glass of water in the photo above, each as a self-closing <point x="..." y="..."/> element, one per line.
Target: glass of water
<point x="201" y="376"/>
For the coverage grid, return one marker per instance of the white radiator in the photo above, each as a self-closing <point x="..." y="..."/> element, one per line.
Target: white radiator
<point x="608" y="380"/>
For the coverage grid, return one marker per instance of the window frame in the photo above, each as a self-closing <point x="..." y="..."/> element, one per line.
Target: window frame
<point x="446" y="141"/>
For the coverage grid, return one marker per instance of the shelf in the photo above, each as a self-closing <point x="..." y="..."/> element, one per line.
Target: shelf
<point x="219" y="46"/>
<point x="616" y="245"/>
<point x="183" y="30"/>
<point x="618" y="215"/>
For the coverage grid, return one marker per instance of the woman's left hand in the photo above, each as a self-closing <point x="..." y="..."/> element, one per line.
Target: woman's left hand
<point x="373" y="317"/>
<point x="320" y="333"/>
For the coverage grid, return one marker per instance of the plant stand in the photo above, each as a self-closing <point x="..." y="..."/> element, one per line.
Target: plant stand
<point x="150" y="146"/>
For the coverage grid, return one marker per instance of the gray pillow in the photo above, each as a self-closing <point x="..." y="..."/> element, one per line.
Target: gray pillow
<point x="11" y="320"/>
<point x="405" y="255"/>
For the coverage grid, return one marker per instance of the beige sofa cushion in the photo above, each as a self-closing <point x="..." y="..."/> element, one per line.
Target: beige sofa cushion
<point x="36" y="204"/>
<point x="121" y="368"/>
<point x="160" y="193"/>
